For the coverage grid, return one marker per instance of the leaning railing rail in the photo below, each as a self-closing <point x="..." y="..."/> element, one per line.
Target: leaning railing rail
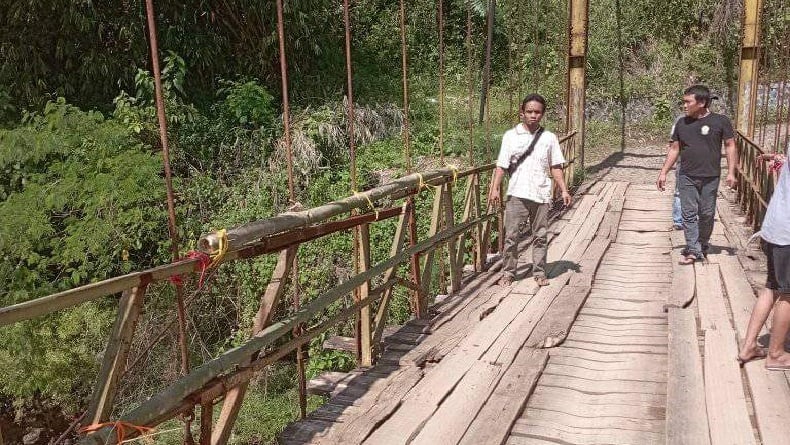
<point x="207" y="384"/>
<point x="755" y="180"/>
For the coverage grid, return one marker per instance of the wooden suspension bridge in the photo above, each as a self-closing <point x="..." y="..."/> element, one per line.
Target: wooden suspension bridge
<point x="623" y="346"/>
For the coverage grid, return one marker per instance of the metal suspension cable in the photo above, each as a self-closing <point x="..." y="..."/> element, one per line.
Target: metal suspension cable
<point x="405" y="74"/>
<point x="766" y="83"/>
<point x="470" y="78"/>
<point x="350" y="98"/>
<point x="522" y="46"/>
<point x="536" y="57"/>
<point x="441" y="80"/>
<point x="171" y="212"/>
<point x="784" y="54"/>
<point x="512" y="79"/>
<point x="300" y="366"/>
<point x="286" y="104"/>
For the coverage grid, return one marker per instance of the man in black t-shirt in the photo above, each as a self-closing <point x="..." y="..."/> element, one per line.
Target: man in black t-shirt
<point x="699" y="137"/>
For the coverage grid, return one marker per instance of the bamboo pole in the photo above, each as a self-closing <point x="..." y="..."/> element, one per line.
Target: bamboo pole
<point x="401" y="187"/>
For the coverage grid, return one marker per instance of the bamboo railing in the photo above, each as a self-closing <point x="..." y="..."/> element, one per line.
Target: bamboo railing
<point x="212" y="381"/>
<point x="755" y="181"/>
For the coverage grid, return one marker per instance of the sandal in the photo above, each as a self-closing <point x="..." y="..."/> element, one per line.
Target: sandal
<point x="688" y="260"/>
<point x="542" y="281"/>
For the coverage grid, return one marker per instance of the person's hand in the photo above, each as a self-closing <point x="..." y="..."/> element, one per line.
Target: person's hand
<point x="567" y="199"/>
<point x="661" y="182"/>
<point x="731" y="180"/>
<point x="494" y="198"/>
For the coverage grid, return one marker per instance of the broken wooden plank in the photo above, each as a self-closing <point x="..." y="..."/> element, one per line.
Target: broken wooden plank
<point x="683" y="283"/>
<point x="495" y="419"/>
<point x="374" y="408"/>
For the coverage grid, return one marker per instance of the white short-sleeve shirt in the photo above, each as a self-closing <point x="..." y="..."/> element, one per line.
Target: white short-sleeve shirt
<point x="776" y="224"/>
<point x="532" y="179"/>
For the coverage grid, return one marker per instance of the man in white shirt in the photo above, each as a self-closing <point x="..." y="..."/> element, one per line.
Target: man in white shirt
<point x="529" y="188"/>
<point x="775" y="232"/>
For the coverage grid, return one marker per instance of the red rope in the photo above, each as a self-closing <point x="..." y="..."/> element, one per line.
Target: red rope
<point x="121" y="429"/>
<point x="204" y="261"/>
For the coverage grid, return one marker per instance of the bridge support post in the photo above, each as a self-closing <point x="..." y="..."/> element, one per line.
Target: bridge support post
<point x="115" y="355"/>
<point x="747" y="78"/>
<point x="271" y="296"/>
<point x="364" y="333"/>
<point x="576" y="82"/>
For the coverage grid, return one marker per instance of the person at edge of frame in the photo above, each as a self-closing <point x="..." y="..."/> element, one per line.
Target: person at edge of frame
<point x="775" y="233"/>
<point x="699" y="136"/>
<point x="529" y="192"/>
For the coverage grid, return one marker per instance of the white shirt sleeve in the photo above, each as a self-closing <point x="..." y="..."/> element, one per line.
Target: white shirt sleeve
<point x="555" y="152"/>
<point x="503" y="160"/>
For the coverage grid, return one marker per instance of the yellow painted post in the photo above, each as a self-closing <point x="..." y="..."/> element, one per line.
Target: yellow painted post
<point x="578" y="13"/>
<point x="747" y="79"/>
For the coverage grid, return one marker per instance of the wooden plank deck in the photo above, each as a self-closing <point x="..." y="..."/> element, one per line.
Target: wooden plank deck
<point x="623" y="347"/>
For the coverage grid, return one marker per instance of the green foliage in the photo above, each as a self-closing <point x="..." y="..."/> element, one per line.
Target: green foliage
<point x="82" y="200"/>
<point x="248" y="103"/>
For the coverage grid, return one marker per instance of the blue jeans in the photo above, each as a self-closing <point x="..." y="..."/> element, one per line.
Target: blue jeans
<point x="698" y="207"/>
<point x="677" y="216"/>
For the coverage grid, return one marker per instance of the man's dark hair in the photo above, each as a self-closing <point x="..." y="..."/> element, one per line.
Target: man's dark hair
<point x="534" y="97"/>
<point x="701" y="93"/>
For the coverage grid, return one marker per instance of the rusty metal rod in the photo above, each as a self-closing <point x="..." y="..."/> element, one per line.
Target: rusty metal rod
<point x="470" y="84"/>
<point x="160" y="114"/>
<point x="405" y="80"/>
<point x="441" y="80"/>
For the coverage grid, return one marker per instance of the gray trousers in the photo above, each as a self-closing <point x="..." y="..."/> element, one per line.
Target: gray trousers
<point x="698" y="206"/>
<point x="517" y="212"/>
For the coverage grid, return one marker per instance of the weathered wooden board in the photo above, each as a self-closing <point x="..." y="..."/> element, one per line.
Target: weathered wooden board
<point x="551" y="433"/>
<point x="594" y="365"/>
<point x="712" y="311"/>
<point x="687" y="420"/>
<point x="683" y="283"/>
<point x="495" y="419"/>
<point x="580" y="407"/>
<point x="532" y="415"/>
<point x="728" y="415"/>
<point x="604" y="357"/>
<point x="769" y="390"/>
<point x="603" y="347"/>
<point x="572" y="396"/>
<point x="424" y="399"/>
<point x="658" y="375"/>
<point x="615" y="340"/>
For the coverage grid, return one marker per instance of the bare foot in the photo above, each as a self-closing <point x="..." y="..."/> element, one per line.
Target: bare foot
<point x="749" y="353"/>
<point x="780" y="363"/>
